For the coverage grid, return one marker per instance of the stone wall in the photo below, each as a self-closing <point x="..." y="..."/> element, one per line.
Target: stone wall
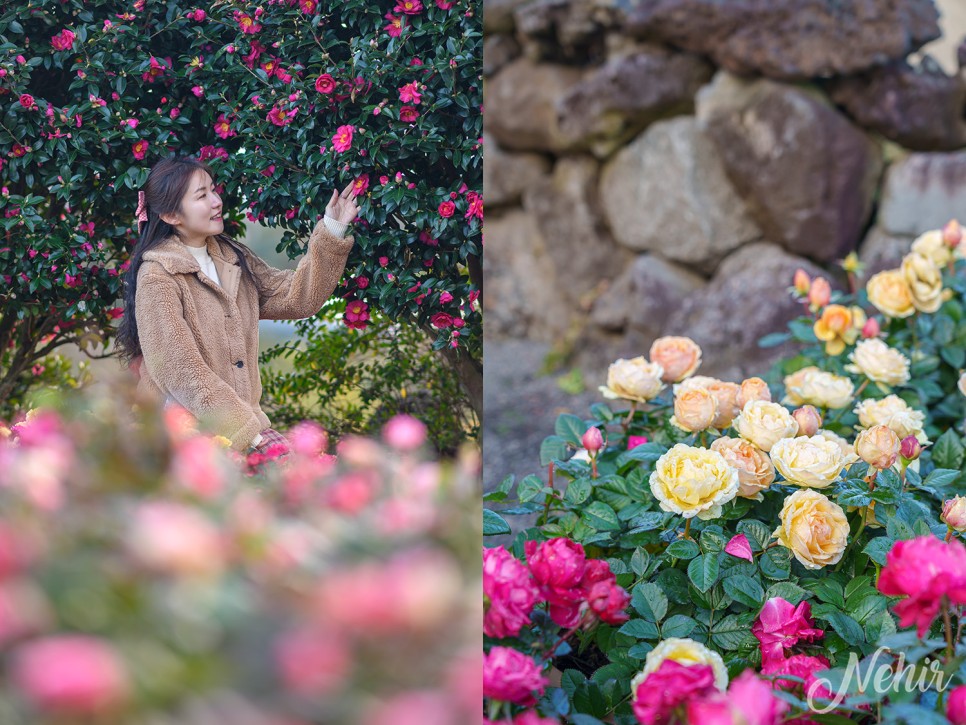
<point x="663" y="166"/>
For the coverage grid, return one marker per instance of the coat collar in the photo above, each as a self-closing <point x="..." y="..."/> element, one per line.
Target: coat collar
<point x="174" y="256"/>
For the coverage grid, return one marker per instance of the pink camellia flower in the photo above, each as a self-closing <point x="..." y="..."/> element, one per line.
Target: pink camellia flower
<point x="308" y="6"/>
<point x="445" y="4"/>
<point x="281" y="118"/>
<point x="663" y="695"/>
<point x="312" y="662"/>
<point x="197" y="15"/>
<point x="362" y="282"/>
<point x="924" y="570"/>
<point x="446" y="209"/>
<point x="176" y="539"/>
<point x="509" y="593"/>
<point x="356" y="315"/>
<point x="246" y="23"/>
<point x="383" y="180"/>
<point x="64" y="40"/>
<point x="404" y="433"/>
<point x="71" y="675"/>
<point x="740" y="548"/>
<point x="635" y="441"/>
<point x="197" y="467"/>
<point x="408" y="7"/>
<point x="383" y="261"/>
<point x="223" y="127"/>
<point x="26" y="100"/>
<point x="140" y="148"/>
<point x="441" y="320"/>
<point x="325" y="83"/>
<point x="408" y="114"/>
<point x="360" y="185"/>
<point x="511" y="676"/>
<point x="781" y="625"/>
<point x="199" y="91"/>
<point x="395" y="26"/>
<point x="749" y="701"/>
<point x="956" y="706"/>
<point x="155" y="69"/>
<point x="409" y="93"/>
<point x="445" y="297"/>
<point x="342" y="140"/>
<point x="115" y="312"/>
<point x="475" y="208"/>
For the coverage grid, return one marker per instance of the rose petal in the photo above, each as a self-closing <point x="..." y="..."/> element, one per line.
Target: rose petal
<point x="740" y="548"/>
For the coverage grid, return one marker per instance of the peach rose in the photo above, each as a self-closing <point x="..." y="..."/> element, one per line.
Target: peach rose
<point x="890" y="294"/>
<point x="894" y="412"/>
<point x="879" y="362"/>
<point x="925" y="282"/>
<point x="933" y="246"/>
<point x="679" y="356"/>
<point x="839" y="326"/>
<point x="814" y="528"/>
<point x="694" y="410"/>
<point x="635" y="379"/>
<point x="755" y="469"/>
<point x="878" y="446"/>
<point x="809" y="420"/>
<point x="954" y="513"/>
<point x="725" y="395"/>
<point x="752" y="389"/>
<point x="765" y="423"/>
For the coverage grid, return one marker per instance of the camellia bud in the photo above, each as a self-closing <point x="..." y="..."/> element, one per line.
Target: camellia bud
<point x="809" y="420"/>
<point x="878" y="446"/>
<point x="802" y="281"/>
<point x="820" y="293"/>
<point x="592" y="440"/>
<point x="910" y="448"/>
<point x="871" y="328"/>
<point x="954" y="513"/>
<point x="953" y="233"/>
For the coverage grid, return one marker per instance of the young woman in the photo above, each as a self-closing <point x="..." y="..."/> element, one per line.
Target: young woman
<point x="193" y="298"/>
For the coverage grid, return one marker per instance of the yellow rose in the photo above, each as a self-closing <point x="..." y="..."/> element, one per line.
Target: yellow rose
<point x="878" y="446"/>
<point x="839" y="326"/>
<point x="693" y="482"/>
<point x="752" y="389"/>
<point x="694" y="409"/>
<point x="890" y="294"/>
<point x="765" y="423"/>
<point x="755" y="469"/>
<point x="894" y="412"/>
<point x="925" y="282"/>
<point x="812" y="461"/>
<point x="679" y="356"/>
<point x="686" y="652"/>
<point x="813" y="528"/>
<point x="811" y="386"/>
<point x="222" y="441"/>
<point x="635" y="379"/>
<point x="932" y="245"/>
<point x="848" y="451"/>
<point x="879" y="362"/>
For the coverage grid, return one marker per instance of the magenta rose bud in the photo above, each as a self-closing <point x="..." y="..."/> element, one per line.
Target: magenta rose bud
<point x="593" y="440"/>
<point x="509" y="593"/>
<point x="910" y="448"/>
<point x="956" y="706"/>
<point x="511" y="676"/>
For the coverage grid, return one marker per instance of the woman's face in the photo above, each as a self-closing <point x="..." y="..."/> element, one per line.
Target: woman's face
<point x="201" y="211"/>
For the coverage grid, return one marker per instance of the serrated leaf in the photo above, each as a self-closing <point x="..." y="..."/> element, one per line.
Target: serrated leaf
<point x="683" y="549"/>
<point x="553" y="448"/>
<point x="788" y="591"/>
<point x="639" y="561"/>
<point x="776" y="563"/>
<point x="678" y="626"/>
<point x="877" y="549"/>
<point x="947" y="451"/>
<point x="644" y="452"/>
<point x="602" y="517"/>
<point x="703" y="571"/>
<point x="529" y="488"/>
<point x="494" y="524"/>
<point x="732" y="633"/>
<point x="649" y="601"/>
<point x="578" y="491"/>
<point x="744" y="589"/>
<point x="641" y="629"/>
<point x="570" y="428"/>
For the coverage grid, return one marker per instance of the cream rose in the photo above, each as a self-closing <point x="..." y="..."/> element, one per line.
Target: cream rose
<point x="694" y="409"/>
<point x="848" y="450"/>
<point x="925" y="282"/>
<point x="813" y="528"/>
<point x="954" y="513"/>
<point x="679" y="356"/>
<point x="752" y="389"/>
<point x="962" y="384"/>
<point x="812" y="461"/>
<point x="811" y="386"/>
<point x="693" y="482"/>
<point x="879" y="362"/>
<point x="635" y="379"/>
<point x="765" y="423"/>
<point x="686" y="652"/>
<point x="932" y="245"/>
<point x="890" y="294"/>
<point x="878" y="446"/>
<point x="894" y="412"/>
<point x="755" y="469"/>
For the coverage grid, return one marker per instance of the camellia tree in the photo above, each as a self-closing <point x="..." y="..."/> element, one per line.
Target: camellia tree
<point x="286" y="101"/>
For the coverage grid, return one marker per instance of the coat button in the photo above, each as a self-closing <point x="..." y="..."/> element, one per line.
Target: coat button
<point x="240" y="364"/>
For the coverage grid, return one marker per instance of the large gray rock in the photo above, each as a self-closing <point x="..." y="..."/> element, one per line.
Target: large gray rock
<point x="498" y="50"/>
<point x="808" y="175"/>
<point x="522" y="292"/>
<point x="788" y="39"/>
<point x="616" y="102"/>
<point x="919" y="107"/>
<point x="564" y="30"/>
<point x="747" y="299"/>
<point x="520" y="104"/>
<point x="507" y="175"/>
<point x="923" y="191"/>
<point x="666" y="192"/>
<point x="882" y="250"/>
<point x="566" y="209"/>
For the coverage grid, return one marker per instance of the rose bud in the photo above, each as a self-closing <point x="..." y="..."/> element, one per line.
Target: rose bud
<point x="802" y="281"/>
<point x="910" y="448"/>
<point x="878" y="446"/>
<point x="592" y="440"/>
<point x="954" y="513"/>
<point x="820" y="293"/>
<point x="952" y="233"/>
<point x="871" y="328"/>
<point x="752" y="389"/>
<point x="809" y="420"/>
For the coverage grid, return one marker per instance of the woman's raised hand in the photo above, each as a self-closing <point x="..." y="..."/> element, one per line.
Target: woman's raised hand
<point x="342" y="207"/>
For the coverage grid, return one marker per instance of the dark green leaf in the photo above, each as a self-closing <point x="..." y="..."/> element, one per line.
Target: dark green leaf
<point x="494" y="524"/>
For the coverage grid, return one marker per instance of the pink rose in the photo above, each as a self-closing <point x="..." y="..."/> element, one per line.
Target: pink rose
<point x="404" y="433"/>
<point x="312" y="662"/>
<point x="70" y="674"/>
<point x="797" y="666"/>
<point x="532" y="717"/>
<point x="749" y="701"/>
<point x="635" y="441"/>
<point x="64" y="40"/>
<point x="558" y="566"/>
<point x="956" y="706"/>
<point x="446" y="209"/>
<point x="780" y="626"/>
<point x="511" y="676"/>
<point x="509" y="593"/>
<point x="924" y="570"/>
<point x="604" y="598"/>
<point x="669" y="688"/>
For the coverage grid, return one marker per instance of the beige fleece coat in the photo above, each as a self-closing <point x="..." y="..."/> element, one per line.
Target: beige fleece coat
<point x="199" y="339"/>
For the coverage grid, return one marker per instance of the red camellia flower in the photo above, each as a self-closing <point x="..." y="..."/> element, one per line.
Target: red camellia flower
<point x="360" y="185"/>
<point x="408" y="114"/>
<point x="308" y="6"/>
<point x="475" y="205"/>
<point x="26" y="100"/>
<point x="409" y="93"/>
<point x="64" y="40"/>
<point x="409" y="7"/>
<point x="441" y="320"/>
<point x="280" y="117"/>
<point x="140" y="148"/>
<point x="325" y="83"/>
<point x="446" y="209"/>
<point x="223" y="127"/>
<point x="356" y="315"/>
<point x="246" y="23"/>
<point x="197" y="15"/>
<point x="395" y="26"/>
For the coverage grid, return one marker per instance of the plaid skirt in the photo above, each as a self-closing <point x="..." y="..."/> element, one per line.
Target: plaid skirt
<point x="270" y="441"/>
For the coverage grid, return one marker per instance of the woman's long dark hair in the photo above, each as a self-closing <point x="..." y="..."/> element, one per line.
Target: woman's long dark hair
<point x="163" y="191"/>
